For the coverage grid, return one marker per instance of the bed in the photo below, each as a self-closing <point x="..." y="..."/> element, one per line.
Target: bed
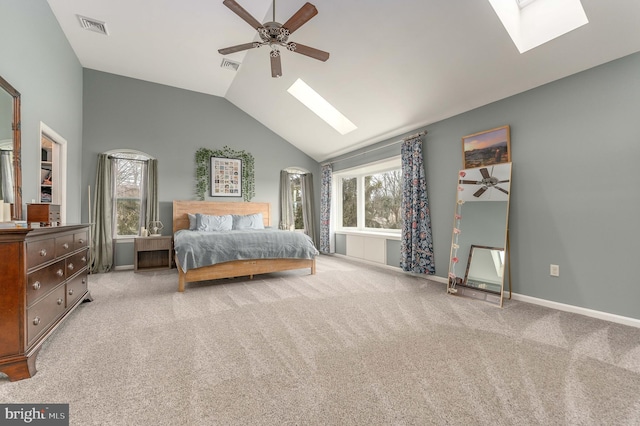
<point x="229" y="268"/>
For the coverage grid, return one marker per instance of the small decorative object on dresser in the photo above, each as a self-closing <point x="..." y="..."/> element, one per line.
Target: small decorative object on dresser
<point x="44" y="214"/>
<point x="44" y="278"/>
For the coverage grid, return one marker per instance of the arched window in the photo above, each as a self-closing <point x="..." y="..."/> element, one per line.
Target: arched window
<point x="126" y="199"/>
<point x="130" y="192"/>
<point x="296" y="201"/>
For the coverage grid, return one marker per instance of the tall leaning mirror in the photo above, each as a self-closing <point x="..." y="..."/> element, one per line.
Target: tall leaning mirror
<point x="479" y="249"/>
<point x="10" y="163"/>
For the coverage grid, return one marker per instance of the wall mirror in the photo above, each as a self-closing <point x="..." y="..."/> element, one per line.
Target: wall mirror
<point x="10" y="148"/>
<point x="479" y="259"/>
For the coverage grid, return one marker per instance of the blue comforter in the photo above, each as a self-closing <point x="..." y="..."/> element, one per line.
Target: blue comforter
<point x="195" y="249"/>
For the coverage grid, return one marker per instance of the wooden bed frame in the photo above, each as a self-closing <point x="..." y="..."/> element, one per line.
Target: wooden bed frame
<point x="234" y="268"/>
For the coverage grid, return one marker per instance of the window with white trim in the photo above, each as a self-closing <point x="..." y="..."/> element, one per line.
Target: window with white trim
<point x="129" y="193"/>
<point x="369" y="197"/>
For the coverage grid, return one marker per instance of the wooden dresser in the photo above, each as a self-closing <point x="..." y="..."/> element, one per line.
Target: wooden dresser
<point x="43" y="278"/>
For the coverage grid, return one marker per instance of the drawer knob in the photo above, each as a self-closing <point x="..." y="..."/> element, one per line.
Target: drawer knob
<point x="83" y="258"/>
<point x="81" y="241"/>
<point x="70" y="266"/>
<point x="43" y="252"/>
<point x="70" y="292"/>
<point x="36" y="285"/>
<point x="60" y="272"/>
<point x="65" y="246"/>
<point x="60" y="301"/>
<point x="84" y="281"/>
<point x="36" y="321"/>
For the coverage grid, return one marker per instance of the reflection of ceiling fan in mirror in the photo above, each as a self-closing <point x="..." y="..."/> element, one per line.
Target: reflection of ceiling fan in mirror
<point x="273" y="34"/>
<point x="487" y="181"/>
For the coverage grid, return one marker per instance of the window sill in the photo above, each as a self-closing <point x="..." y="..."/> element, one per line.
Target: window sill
<point x="119" y="240"/>
<point x="381" y="234"/>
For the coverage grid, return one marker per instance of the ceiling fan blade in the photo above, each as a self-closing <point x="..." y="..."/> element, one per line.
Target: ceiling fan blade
<point x="276" y="64"/>
<point x="308" y="51"/>
<point x="238" y="10"/>
<point x="469" y="182"/>
<point x="299" y="18"/>
<point x="501" y="189"/>
<point x="485" y="173"/>
<point x="480" y="191"/>
<point x="237" y="48"/>
<point x="503" y="181"/>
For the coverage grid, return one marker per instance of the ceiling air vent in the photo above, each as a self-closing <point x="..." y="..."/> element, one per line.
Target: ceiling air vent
<point x="93" y="25"/>
<point x="228" y="64"/>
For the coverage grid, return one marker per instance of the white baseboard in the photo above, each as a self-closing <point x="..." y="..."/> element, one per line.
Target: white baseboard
<point x="123" y="268"/>
<point x="578" y="310"/>
<point x="619" y="319"/>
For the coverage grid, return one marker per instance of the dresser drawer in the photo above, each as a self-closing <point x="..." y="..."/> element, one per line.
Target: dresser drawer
<point x="76" y="262"/>
<point x="76" y="287"/>
<point x="64" y="245"/>
<point x="41" y="315"/>
<point x="43" y="280"/>
<point x="40" y="251"/>
<point x="81" y="239"/>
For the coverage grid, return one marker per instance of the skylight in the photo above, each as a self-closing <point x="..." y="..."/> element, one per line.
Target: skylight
<point x="323" y="109"/>
<point x="531" y="23"/>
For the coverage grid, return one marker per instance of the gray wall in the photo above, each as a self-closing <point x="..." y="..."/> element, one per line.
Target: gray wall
<point x="38" y="61"/>
<point x="575" y="143"/>
<point x="171" y="124"/>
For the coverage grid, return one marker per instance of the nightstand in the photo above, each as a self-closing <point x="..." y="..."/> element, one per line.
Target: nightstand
<point x="152" y="253"/>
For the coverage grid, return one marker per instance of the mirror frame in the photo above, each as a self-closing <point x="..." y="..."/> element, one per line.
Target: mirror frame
<point x="455" y="283"/>
<point x="472" y="250"/>
<point x="17" y="149"/>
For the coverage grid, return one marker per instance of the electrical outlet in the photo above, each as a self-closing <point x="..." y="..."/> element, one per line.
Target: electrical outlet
<point x="554" y="270"/>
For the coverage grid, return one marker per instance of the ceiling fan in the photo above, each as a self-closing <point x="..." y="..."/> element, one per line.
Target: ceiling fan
<point x="275" y="34"/>
<point x="487" y="182"/>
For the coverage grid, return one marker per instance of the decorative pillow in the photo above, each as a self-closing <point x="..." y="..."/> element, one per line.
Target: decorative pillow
<point x="193" y="224"/>
<point x="213" y="223"/>
<point x="250" y="221"/>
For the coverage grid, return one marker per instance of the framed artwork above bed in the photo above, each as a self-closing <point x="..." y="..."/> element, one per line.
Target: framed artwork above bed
<point x="226" y="177"/>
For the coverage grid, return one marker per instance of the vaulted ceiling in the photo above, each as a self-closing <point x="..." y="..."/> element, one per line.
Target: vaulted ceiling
<point x="395" y="65"/>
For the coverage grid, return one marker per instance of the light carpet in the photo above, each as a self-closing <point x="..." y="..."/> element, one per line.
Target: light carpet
<point x="353" y="344"/>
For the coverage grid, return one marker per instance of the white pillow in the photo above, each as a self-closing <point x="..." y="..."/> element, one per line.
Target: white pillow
<point x="250" y="221"/>
<point x="213" y="223"/>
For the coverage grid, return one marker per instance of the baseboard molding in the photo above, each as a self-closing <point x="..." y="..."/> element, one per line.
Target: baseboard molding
<point x="619" y="319"/>
<point x="123" y="268"/>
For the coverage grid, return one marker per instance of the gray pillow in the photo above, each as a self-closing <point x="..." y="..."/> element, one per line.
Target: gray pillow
<point x="193" y="224"/>
<point x="250" y="221"/>
<point x="213" y="223"/>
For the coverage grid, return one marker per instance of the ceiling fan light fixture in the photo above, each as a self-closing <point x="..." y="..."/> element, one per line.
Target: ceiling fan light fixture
<point x="275" y="34"/>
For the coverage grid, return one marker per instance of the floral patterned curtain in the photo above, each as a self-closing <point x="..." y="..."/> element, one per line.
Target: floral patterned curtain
<point x="416" y="243"/>
<point x="326" y="227"/>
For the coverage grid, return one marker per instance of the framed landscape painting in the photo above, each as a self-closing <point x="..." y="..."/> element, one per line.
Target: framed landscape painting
<point x="486" y="148"/>
<point x="226" y="177"/>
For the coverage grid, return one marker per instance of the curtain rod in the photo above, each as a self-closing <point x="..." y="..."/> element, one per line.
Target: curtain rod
<point x="115" y="157"/>
<point x="424" y="132"/>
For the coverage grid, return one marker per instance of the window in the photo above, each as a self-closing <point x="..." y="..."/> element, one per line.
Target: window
<point x="296" y="197"/>
<point x="130" y="195"/>
<point x="369" y="197"/>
